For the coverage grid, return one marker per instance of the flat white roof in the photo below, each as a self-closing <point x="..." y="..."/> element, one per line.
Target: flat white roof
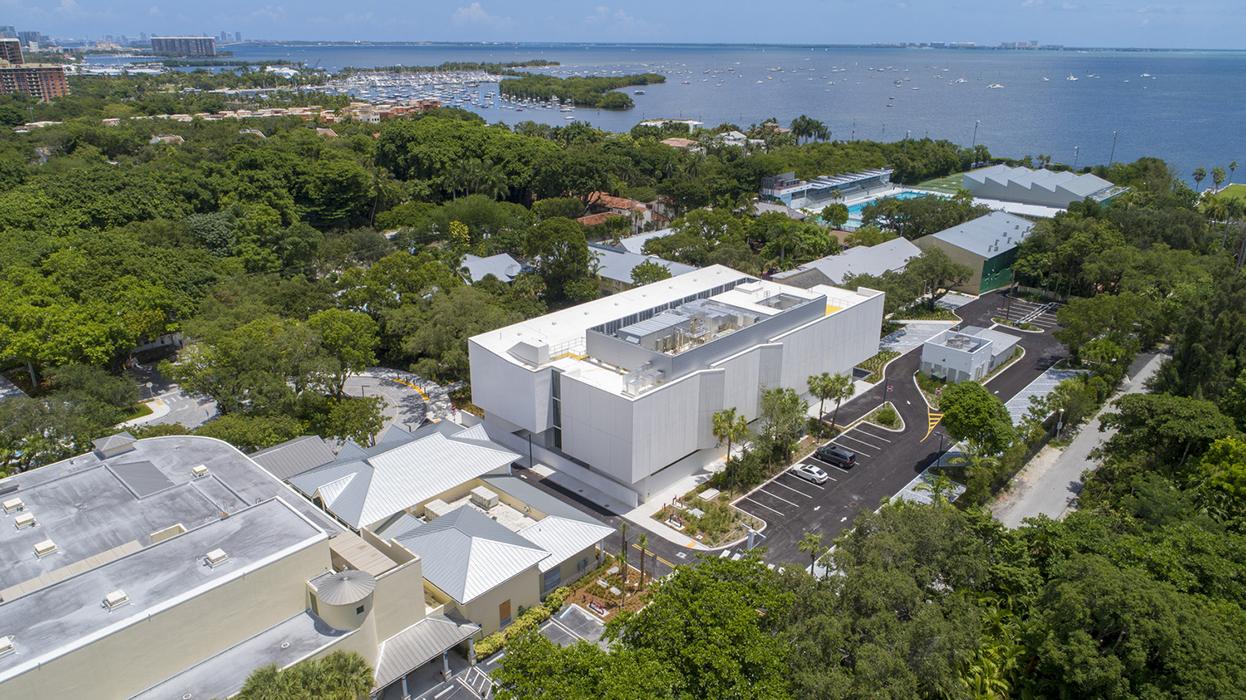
<point x="567" y="327"/>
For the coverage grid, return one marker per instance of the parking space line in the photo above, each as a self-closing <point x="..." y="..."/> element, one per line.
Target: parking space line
<point x="863" y="442"/>
<point x="763" y="505"/>
<point x="857" y="450"/>
<point x="776" y="482"/>
<point x="861" y="428"/>
<point x="763" y="490"/>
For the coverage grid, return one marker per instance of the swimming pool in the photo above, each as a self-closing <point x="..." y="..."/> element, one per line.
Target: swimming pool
<point x="854" y="211"/>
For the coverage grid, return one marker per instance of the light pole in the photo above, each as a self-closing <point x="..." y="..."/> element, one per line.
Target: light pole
<point x="1112" y="158"/>
<point x="973" y="146"/>
<point x="939" y="460"/>
<point x="1077" y="150"/>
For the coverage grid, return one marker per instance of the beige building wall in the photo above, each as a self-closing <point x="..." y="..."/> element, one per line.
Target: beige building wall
<point x="523" y="591"/>
<point x="973" y="285"/>
<point x="148" y="652"/>
<point x="569" y="570"/>
<point x="398" y="601"/>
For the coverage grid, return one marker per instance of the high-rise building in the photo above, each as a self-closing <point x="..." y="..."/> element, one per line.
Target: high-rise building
<point x="184" y="45"/>
<point x="43" y="81"/>
<point x="28" y="38"/>
<point x="11" y="51"/>
<point x="8" y="31"/>
<point x="238" y="37"/>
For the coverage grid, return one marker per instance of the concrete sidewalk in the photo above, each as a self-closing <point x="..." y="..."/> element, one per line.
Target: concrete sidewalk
<point x="1049" y="484"/>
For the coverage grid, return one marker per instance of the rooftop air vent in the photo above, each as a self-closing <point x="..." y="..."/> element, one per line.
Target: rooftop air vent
<point x="116" y="599"/>
<point x="6" y="646"/>
<point x="44" y="548"/>
<point x="14" y="505"/>
<point x="199" y="471"/>
<point x="24" y="520"/>
<point x="215" y="558"/>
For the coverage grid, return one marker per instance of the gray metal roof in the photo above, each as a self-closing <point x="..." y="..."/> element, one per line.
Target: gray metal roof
<point x="636" y="244"/>
<point x="888" y="256"/>
<point x="1080" y="186"/>
<point x="419" y="644"/>
<point x="142" y="478"/>
<point x="223" y="675"/>
<point x="110" y="441"/>
<point x="617" y="266"/>
<point x="55" y="620"/>
<point x="373" y="484"/>
<point x="344" y="587"/>
<point x="9" y="390"/>
<point x="501" y="266"/>
<point x="537" y="499"/>
<point x="465" y="553"/>
<point x="989" y="235"/>
<point x="294" y="456"/>
<point x="86" y="508"/>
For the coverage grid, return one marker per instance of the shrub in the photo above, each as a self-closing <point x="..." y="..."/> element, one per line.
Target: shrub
<point x="554" y="601"/>
<point x="529" y="619"/>
<point x="887" y="416"/>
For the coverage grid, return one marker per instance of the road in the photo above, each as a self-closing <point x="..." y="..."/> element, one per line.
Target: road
<point x="1051" y="487"/>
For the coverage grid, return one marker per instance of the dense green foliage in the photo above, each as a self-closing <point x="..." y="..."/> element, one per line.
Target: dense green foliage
<point x="338" y="676"/>
<point x="583" y="92"/>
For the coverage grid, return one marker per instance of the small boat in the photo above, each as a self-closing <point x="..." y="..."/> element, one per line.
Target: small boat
<point x="1071" y="77"/>
<point x="958" y="81"/>
<point x="995" y="86"/>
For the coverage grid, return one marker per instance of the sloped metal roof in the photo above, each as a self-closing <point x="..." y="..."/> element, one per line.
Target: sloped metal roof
<point x="294" y="456"/>
<point x="502" y="266"/>
<point x="465" y="553"/>
<point x="394" y="477"/>
<point x="344" y="587"/>
<point x="859" y="260"/>
<point x="418" y="644"/>
<point x="616" y="265"/>
<point x="563" y="538"/>
<point x="989" y="235"/>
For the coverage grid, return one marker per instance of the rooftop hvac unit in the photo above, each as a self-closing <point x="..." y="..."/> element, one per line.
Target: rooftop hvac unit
<point x="44" y="548"/>
<point x="13" y="505"/>
<point x="6" y="646"/>
<point x="484" y="498"/>
<point x="199" y="471"/>
<point x="116" y="599"/>
<point x="215" y="558"/>
<point x="24" y="520"/>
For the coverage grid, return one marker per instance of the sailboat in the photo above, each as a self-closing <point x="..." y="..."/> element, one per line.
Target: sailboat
<point x="1071" y="77"/>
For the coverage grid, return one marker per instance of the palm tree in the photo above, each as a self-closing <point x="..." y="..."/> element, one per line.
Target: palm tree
<point x="841" y="390"/>
<point x="1199" y="174"/>
<point x="820" y="389"/>
<point x="1217" y="176"/>
<point x="811" y="544"/>
<point x="643" y="541"/>
<point x="1232" y="169"/>
<point x="729" y="427"/>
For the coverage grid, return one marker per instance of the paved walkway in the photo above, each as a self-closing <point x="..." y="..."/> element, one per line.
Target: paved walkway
<point x="1049" y="484"/>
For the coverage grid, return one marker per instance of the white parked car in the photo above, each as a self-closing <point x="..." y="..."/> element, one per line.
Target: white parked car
<point x="810" y="473"/>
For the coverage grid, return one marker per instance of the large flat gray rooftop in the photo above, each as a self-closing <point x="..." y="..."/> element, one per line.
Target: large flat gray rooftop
<point x="90" y="506"/>
<point x="223" y="675"/>
<point x="60" y="617"/>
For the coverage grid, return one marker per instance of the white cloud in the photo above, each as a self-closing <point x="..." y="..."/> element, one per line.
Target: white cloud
<point x="617" y="18"/>
<point x="476" y="14"/>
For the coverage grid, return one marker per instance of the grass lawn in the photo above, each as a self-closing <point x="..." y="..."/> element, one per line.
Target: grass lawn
<point x="138" y="411"/>
<point x="947" y="184"/>
<point x="1236" y="191"/>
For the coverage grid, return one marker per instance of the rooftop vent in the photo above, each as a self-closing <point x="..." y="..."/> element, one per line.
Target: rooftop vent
<point x="199" y="471"/>
<point x="116" y="599"/>
<point x="44" y="548"/>
<point x="215" y="558"/>
<point x="6" y="646"/>
<point x="24" y="520"/>
<point x="14" y="505"/>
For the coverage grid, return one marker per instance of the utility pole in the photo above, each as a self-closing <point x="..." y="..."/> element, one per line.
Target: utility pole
<point x="1112" y="158"/>
<point x="973" y="146"/>
<point x="1077" y="150"/>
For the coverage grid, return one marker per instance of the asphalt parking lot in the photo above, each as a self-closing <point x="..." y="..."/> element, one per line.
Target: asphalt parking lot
<point x="787" y="495"/>
<point x="573" y="624"/>
<point x="1019" y="310"/>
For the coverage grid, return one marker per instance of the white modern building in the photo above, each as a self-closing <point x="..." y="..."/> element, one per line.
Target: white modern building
<point x="968" y="354"/>
<point x="788" y="189"/>
<point x="1049" y="188"/>
<point x="619" y="393"/>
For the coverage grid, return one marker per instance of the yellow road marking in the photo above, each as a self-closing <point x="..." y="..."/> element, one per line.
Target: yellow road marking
<point x="418" y="390"/>
<point x="649" y="552"/>
<point x="932" y="420"/>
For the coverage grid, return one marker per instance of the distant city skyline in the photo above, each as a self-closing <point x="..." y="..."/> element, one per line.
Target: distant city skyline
<point x="1194" y="24"/>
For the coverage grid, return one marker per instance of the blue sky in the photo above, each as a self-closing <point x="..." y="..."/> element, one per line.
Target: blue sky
<point x="1144" y="23"/>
